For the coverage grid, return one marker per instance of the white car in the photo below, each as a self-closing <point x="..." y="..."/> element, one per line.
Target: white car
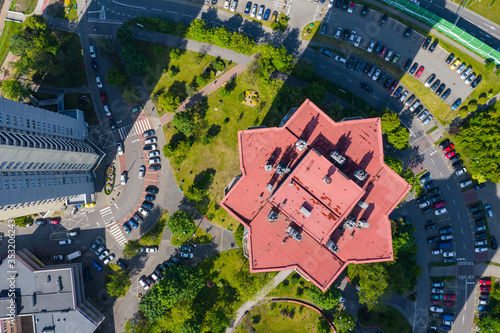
<point x="65" y="242"/>
<point x="142" y="171"/>
<point x="154" y="160"/>
<point x="339" y="31"/>
<point x="483" y="302"/>
<point x="92" y="51"/>
<point x="234" y="4"/>
<point x="449" y="254"/>
<point x="123" y="178"/>
<point x="481" y="242"/>
<point x="226" y="4"/>
<point x="107" y="111"/>
<point x="461" y="171"/>
<point x="155" y="277"/>
<point x="340" y="59"/>
<point x="465" y="183"/>
<point x="427" y="120"/>
<point x="371" y="46"/>
<point x="143" y="283"/>
<point x="446" y="237"/>
<point x="358" y="41"/>
<point x="388" y="55"/>
<point x="153" y="153"/>
<point x="143" y="211"/>
<point x="376" y="75"/>
<point x="150" y="140"/>
<point x="436" y="309"/>
<point x="447" y="322"/>
<point x="103" y="255"/>
<point x="108" y="259"/>
<point x="254" y="10"/>
<point x="330" y="4"/>
<point x="488" y="210"/>
<point x="149" y="249"/>
<point x="260" y="12"/>
<point x="437" y="290"/>
<point x="440" y="211"/>
<point x="187" y="255"/>
<point x="424" y="204"/>
<point x="98" y="80"/>
<point x="437" y="251"/>
<point x="481" y="249"/>
<point x="119" y="146"/>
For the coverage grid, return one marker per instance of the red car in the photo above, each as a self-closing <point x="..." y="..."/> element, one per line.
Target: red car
<point x="103" y="97"/>
<point x="448" y="149"/>
<point x="450" y="155"/>
<point x="54" y="221"/>
<point x="449" y="296"/>
<point x="485" y="282"/>
<point x="435" y="302"/>
<point x="485" y="289"/>
<point x="420" y="71"/>
<point x="394" y="85"/>
<point x="449" y="303"/>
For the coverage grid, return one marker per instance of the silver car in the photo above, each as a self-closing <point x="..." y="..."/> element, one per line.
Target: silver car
<point x="154" y="153"/>
<point x="403" y="96"/>
<point x="371" y="46"/>
<point x="415" y="105"/>
<point x="142" y="171"/>
<point x="423" y="115"/>
<point x="428" y="120"/>
<point x="376" y="75"/>
<point x="154" y="160"/>
<point x="254" y="10"/>
<point x="150" y="140"/>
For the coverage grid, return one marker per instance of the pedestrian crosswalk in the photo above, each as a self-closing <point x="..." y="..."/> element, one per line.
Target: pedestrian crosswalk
<point x="110" y="223"/>
<point x="117" y="233"/>
<point x="107" y="216"/>
<point x="138" y="127"/>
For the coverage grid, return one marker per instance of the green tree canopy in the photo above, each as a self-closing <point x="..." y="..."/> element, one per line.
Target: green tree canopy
<point x="118" y="284"/>
<point x="132" y="248"/>
<point x="397" y="134"/>
<point x="184" y="122"/>
<point x="181" y="222"/>
<point x="15" y="90"/>
<point x="116" y="77"/>
<point x="326" y="300"/>
<point x="395" y="164"/>
<point x="316" y="92"/>
<point x="179" y="283"/>
<point x="169" y="101"/>
<point x="344" y="322"/>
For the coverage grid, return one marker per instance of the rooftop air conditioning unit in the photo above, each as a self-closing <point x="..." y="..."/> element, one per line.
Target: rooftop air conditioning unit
<point x="360" y="174"/>
<point x="364" y="224"/>
<point x="332" y="246"/>
<point x="272" y="216"/>
<point x="337" y="157"/>
<point x="293" y="233"/>
<point x="281" y="169"/>
<point x="301" y="144"/>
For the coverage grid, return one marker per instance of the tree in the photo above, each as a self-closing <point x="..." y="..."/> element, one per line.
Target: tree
<point x="238" y="235"/>
<point x="118" y="284"/>
<point x="488" y="324"/>
<point x="217" y="320"/>
<point x="344" y="322"/>
<point x="124" y="35"/>
<point x="15" y="90"/>
<point x="184" y="122"/>
<point x="199" y="31"/>
<point x="394" y="163"/>
<point x="316" y="92"/>
<point x="132" y="248"/>
<point x="463" y="112"/>
<point x="189" y="327"/>
<point x="396" y="134"/>
<point x="221" y="37"/>
<point x="373" y="283"/>
<point x="169" y="102"/>
<point x="115" y="77"/>
<point x="181" y="222"/>
<point x="23" y="221"/>
<point x="326" y="300"/>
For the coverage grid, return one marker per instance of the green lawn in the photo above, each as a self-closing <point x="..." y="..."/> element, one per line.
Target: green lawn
<point x="389" y="320"/>
<point x="9" y="29"/>
<point x="201" y="237"/>
<point x="23" y="6"/>
<point x="483" y="9"/>
<point x="294" y="286"/>
<point x="280" y="317"/>
<point x="189" y="65"/>
<point x="153" y="236"/>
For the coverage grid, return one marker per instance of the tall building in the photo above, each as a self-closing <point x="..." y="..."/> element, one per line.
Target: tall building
<point x="38" y="298"/>
<point x="314" y="195"/>
<point x="45" y="159"/>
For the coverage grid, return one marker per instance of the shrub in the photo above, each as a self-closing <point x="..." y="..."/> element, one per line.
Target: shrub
<point x="218" y="65"/>
<point x="241" y="97"/>
<point x="201" y="80"/>
<point x="463" y="112"/>
<point x="224" y="93"/>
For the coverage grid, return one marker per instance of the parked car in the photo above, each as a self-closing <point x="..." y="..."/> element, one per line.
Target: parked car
<point x="466" y="183"/>
<point x="94" y="245"/>
<point x="430" y="227"/>
<point x="149" y="249"/>
<point x="449" y="254"/>
<point x="97" y="265"/>
<point x="440" y="211"/>
<point x="426" y="42"/>
<point x="40" y="221"/>
<point x="126" y="228"/>
<point x="429" y="80"/>
<point x="103" y="255"/>
<point x="481" y="242"/>
<point x="122" y="265"/>
<point x="437" y="284"/>
<point x="435" y="85"/>
<point x="485" y="282"/>
<point x="152" y="189"/>
<point x="436" y="309"/>
<point x="431" y="240"/>
<point x="143" y="211"/>
<point x="187" y="255"/>
<point x="456" y="104"/>
<point x="445" y="230"/>
<point x="142" y="171"/>
<point x="481" y="249"/>
<point x="383" y="20"/>
<point x="98" y="81"/>
<point x="436" y="251"/>
<point x="326" y="52"/>
<point x="461" y="171"/>
<point x="483" y="308"/>
<point x="489" y="212"/>
<point x="476" y="208"/>
<point x="450" y="58"/>
<point x="429" y="185"/>
<point x="57" y="258"/>
<point x="494" y="244"/>
<point x="485" y="289"/>
<point x="433" y="45"/>
<point x="407" y="33"/>
<point x="424" y="204"/>
<point x="148" y="133"/>
<point x="413" y="68"/>
<point x="155" y="167"/>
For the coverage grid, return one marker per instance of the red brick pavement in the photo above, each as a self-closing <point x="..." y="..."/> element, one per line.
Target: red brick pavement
<point x="210" y="88"/>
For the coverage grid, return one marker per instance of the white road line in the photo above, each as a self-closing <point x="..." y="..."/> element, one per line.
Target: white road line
<point x="157" y="9"/>
<point x="335" y="73"/>
<point x="349" y="80"/>
<point x="375" y="97"/>
<point x="462" y="230"/>
<point x="441" y="174"/>
<point x="459" y="217"/>
<point x="464" y="245"/>
<point x="168" y="11"/>
<point x="187" y="15"/>
<point x="322" y="66"/>
<point x="448" y="186"/>
<point x="454" y="202"/>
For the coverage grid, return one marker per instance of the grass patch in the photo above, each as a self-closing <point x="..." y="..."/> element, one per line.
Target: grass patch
<point x="280" y="317"/>
<point x="153" y="236"/>
<point x="9" y="29"/>
<point x="23" y="6"/>
<point x="432" y="130"/>
<point x="388" y="319"/>
<point x="200" y="237"/>
<point x="293" y="287"/>
<point x="65" y="12"/>
<point x="188" y="67"/>
<point x="113" y="268"/>
<point x="488" y="9"/>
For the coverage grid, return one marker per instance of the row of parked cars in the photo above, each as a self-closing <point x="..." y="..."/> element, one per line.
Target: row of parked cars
<point x="100" y="250"/>
<point x="466" y="73"/>
<point x="439" y="299"/>
<point x="484" y="298"/>
<point x="254" y="10"/>
<point x="143" y="211"/>
<point x="150" y="145"/>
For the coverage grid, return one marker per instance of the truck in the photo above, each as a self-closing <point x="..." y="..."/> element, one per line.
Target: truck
<point x="73" y="255"/>
<point x="445" y="245"/>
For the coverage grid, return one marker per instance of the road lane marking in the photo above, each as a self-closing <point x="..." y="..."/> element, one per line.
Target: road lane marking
<point x="448" y="186"/>
<point x="464" y="245"/>
<point x="187" y="15"/>
<point x="160" y="10"/>
<point x="375" y="97"/>
<point x="335" y="73"/>
<point x="459" y="217"/>
<point x="167" y="11"/>
<point x="441" y="174"/>
<point x="322" y="66"/>
<point x="349" y="80"/>
<point x="454" y="202"/>
<point x="462" y="230"/>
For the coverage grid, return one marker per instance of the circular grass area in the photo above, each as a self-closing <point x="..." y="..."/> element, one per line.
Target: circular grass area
<point x="281" y="317"/>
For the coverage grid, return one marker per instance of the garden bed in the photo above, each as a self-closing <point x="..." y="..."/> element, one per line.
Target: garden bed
<point x="109" y="178"/>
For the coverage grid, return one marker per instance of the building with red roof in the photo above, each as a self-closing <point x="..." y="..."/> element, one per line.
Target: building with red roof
<point x="314" y="195"/>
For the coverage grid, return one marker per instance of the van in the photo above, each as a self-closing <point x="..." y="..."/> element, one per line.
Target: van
<point x="447" y="316"/>
<point x="439" y="205"/>
<point x="73" y="255"/>
<point x="445" y="245"/>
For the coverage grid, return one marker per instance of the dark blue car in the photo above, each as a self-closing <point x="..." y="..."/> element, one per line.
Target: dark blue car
<point x="248" y="7"/>
<point x="413" y="68"/>
<point x="97" y="265"/>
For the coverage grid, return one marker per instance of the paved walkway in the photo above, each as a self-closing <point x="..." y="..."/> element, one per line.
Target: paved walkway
<point x="259" y="296"/>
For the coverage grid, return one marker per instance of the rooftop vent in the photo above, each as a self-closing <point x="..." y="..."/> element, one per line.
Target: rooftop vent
<point x="305" y="211"/>
<point x="360" y="174"/>
<point x="327" y="179"/>
<point x="364" y="224"/>
<point x="293" y="233"/>
<point x="362" y="204"/>
<point x="281" y="169"/>
<point x="301" y="144"/>
<point x="332" y="246"/>
<point x="268" y="167"/>
<point x="337" y="157"/>
<point x="270" y="187"/>
<point x="272" y="216"/>
<point x="350" y="223"/>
